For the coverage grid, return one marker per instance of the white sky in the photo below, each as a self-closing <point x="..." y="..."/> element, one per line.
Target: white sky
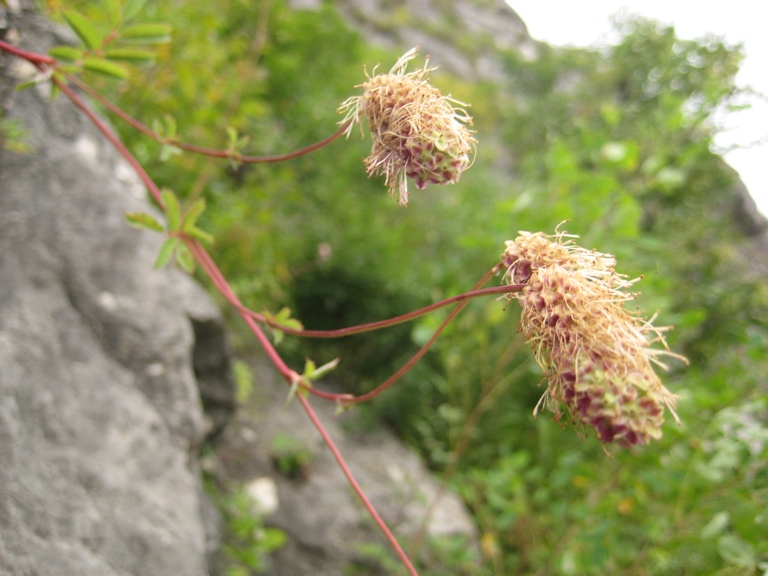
<point x="738" y="21"/>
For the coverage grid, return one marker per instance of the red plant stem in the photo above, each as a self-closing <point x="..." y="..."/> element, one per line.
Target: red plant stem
<point x="352" y="330"/>
<point x="355" y="486"/>
<point x="144" y="129"/>
<point x="39" y="60"/>
<point x="202" y="256"/>
<point x="348" y="399"/>
<point x="113" y="139"/>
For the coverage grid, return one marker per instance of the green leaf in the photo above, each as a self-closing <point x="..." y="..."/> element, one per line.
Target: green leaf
<point x="84" y="29"/>
<point x="134" y="55"/>
<point x="68" y="53"/>
<point x="166" y="251"/>
<point x="736" y="551"/>
<point x="715" y="526"/>
<point x="201" y="235"/>
<point x="114" y="12"/>
<point x="309" y="368"/>
<point x="167" y="151"/>
<point x="143" y="220"/>
<point x="172" y="210"/>
<point x="105" y="67"/>
<point x="192" y="213"/>
<point x="324" y="369"/>
<point x="28" y="84"/>
<point x="147" y="33"/>
<point x="132" y="8"/>
<point x="184" y="258"/>
<point x="284" y="318"/>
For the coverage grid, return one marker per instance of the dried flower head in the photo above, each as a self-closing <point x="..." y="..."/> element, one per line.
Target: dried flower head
<point x="417" y="133"/>
<point x="596" y="356"/>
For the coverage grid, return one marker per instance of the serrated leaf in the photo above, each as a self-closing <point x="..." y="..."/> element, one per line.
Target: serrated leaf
<point x="284" y="318"/>
<point x="134" y="55"/>
<point x="68" y="53"/>
<point x="167" y="151"/>
<point x="201" y="235"/>
<point x="309" y="368"/>
<point x="114" y="12"/>
<point x="147" y="33"/>
<point x="25" y="85"/>
<point x="325" y="368"/>
<point x="84" y="29"/>
<point x="166" y="251"/>
<point x="132" y="8"/>
<point x="192" y="213"/>
<point x="184" y="258"/>
<point x="293" y="323"/>
<point x="172" y="210"/>
<point x="143" y="220"/>
<point x="105" y="67"/>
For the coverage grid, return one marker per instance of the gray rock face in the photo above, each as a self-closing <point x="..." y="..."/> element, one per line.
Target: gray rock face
<point x="100" y="412"/>
<point x="327" y="527"/>
<point x="476" y="29"/>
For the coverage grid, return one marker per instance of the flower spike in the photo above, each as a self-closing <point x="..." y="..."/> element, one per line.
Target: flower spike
<point x="417" y="133"/>
<point x="595" y="355"/>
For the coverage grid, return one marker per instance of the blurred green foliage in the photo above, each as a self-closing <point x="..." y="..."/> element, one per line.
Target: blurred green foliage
<point x="617" y="141"/>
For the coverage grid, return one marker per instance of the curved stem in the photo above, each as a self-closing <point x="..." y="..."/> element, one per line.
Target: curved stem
<point x="348" y="399"/>
<point x="212" y="152"/>
<point x="33" y="57"/>
<point x="352" y="330"/>
<point x="113" y="139"/>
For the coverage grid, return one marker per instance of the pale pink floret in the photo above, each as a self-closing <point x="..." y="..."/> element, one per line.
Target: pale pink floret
<point x="595" y="355"/>
<point x="416" y="131"/>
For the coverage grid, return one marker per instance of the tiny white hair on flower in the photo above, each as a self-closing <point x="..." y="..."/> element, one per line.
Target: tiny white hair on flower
<point x="417" y="133"/>
<point x="596" y="356"/>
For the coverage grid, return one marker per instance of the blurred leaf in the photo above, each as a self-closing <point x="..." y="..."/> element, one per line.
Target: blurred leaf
<point x="736" y="551"/>
<point x="166" y="251"/>
<point x="184" y="258"/>
<point x="105" y="67"/>
<point x="132" y="8"/>
<point x="144" y="220"/>
<point x="114" y="12"/>
<point x="172" y="210"/>
<point x="715" y="526"/>
<point x="133" y="55"/>
<point x="147" y="33"/>
<point x="201" y="235"/>
<point x="68" y="53"/>
<point x="84" y="29"/>
<point x="192" y="213"/>
<point x="168" y="151"/>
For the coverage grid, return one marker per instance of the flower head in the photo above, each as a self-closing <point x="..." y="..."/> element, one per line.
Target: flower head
<point x="417" y="133"/>
<point x="596" y="356"/>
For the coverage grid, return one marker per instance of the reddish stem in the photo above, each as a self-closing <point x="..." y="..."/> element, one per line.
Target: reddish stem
<point x="39" y="60"/>
<point x="348" y="399"/>
<point x="113" y="139"/>
<point x="352" y="330"/>
<point x="202" y="256"/>
<point x="214" y="153"/>
<point x="355" y="486"/>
